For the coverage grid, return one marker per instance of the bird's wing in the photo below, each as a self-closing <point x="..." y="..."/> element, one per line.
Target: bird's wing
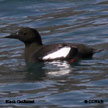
<point x="55" y="51"/>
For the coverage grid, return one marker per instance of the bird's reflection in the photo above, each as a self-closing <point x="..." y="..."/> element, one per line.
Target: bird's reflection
<point x="57" y="68"/>
<point x="41" y="70"/>
<point x="35" y="72"/>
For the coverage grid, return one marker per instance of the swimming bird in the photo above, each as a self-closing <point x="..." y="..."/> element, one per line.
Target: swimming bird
<point x="36" y="51"/>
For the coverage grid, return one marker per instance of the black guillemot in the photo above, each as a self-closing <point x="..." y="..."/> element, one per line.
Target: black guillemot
<point x="36" y="51"/>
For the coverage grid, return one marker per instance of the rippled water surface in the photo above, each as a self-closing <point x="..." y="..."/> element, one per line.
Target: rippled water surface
<point x="54" y="84"/>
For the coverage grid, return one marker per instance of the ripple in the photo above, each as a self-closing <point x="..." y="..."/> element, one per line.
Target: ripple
<point x="57" y="84"/>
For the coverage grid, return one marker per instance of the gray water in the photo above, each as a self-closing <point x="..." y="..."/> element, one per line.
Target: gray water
<point x="55" y="84"/>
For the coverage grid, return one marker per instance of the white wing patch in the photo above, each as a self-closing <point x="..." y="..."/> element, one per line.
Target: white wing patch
<point x="63" y="52"/>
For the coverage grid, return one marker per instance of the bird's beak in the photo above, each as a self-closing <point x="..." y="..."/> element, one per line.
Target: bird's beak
<point x="13" y="36"/>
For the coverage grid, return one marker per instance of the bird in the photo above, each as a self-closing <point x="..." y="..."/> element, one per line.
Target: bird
<point x="36" y="51"/>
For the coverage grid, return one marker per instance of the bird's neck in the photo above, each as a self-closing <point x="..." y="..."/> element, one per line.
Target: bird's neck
<point x="30" y="49"/>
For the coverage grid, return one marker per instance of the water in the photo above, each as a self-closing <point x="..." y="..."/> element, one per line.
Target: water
<point x="55" y="84"/>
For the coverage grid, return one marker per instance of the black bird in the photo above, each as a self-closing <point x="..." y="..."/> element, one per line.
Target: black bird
<point x="36" y="51"/>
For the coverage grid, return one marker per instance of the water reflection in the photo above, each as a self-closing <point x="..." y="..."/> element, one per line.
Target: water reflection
<point x="35" y="72"/>
<point x="41" y="70"/>
<point x="58" y="68"/>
